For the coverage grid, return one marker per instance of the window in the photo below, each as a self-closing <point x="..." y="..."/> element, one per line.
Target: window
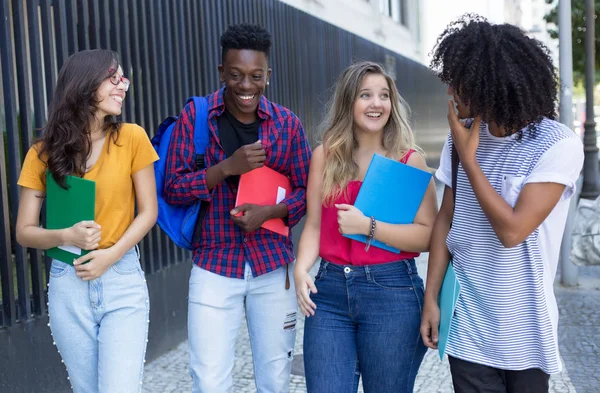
<point x="395" y="9"/>
<point x="403" y="13"/>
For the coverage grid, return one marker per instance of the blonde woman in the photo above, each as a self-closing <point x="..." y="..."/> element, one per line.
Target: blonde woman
<point x="364" y="308"/>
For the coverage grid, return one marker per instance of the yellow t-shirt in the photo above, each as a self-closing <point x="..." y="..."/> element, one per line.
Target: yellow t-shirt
<point x="115" y="193"/>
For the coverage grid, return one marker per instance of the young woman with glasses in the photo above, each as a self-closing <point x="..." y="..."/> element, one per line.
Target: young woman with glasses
<point x="98" y="305"/>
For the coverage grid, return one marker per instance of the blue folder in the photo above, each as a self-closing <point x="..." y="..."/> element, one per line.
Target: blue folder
<point x="391" y="192"/>
<point x="447" y="300"/>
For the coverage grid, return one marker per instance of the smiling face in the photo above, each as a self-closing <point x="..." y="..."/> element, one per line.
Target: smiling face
<point x="110" y="96"/>
<point x="245" y="73"/>
<point x="372" y="106"/>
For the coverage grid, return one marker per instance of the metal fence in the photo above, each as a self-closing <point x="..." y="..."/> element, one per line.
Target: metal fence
<point x="170" y="50"/>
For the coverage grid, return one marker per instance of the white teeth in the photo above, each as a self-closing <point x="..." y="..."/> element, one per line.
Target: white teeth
<point x="118" y="98"/>
<point x="374" y="115"/>
<point x="248" y="97"/>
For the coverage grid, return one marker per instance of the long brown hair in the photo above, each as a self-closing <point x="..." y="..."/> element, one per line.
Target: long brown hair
<point x="339" y="141"/>
<point x="65" y="142"/>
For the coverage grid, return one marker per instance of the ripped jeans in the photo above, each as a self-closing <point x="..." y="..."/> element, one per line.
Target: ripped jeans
<point x="215" y="310"/>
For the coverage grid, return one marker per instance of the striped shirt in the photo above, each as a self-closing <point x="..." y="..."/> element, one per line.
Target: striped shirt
<point x="506" y="316"/>
<point x="223" y="247"/>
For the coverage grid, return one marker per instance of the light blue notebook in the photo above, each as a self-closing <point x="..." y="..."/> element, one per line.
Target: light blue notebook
<point x="447" y="300"/>
<point x="391" y="192"/>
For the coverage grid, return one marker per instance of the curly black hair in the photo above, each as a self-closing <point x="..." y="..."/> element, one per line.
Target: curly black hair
<point x="503" y="75"/>
<point x="245" y="36"/>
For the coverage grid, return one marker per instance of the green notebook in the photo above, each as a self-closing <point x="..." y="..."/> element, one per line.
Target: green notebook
<point x="65" y="208"/>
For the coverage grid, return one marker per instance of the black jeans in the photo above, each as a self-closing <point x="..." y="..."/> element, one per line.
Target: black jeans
<point x="470" y="377"/>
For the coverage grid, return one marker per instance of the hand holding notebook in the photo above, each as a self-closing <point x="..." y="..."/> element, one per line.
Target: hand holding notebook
<point x="265" y="186"/>
<point x="391" y="192"/>
<point x="65" y="208"/>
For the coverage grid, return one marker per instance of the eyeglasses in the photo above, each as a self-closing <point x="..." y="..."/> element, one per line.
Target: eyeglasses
<point x="115" y="79"/>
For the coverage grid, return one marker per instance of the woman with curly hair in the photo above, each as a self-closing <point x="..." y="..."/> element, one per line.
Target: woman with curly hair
<point x="364" y="308"/>
<point x="98" y="305"/>
<point x="517" y="171"/>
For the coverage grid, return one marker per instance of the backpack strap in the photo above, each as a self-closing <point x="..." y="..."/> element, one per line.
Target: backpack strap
<point x="200" y="144"/>
<point x="200" y="129"/>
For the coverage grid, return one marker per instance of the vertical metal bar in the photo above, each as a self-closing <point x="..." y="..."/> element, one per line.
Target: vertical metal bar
<point x="115" y="43"/>
<point x="50" y="71"/>
<point x="166" y="40"/>
<point x="156" y="109"/>
<point x="9" y="310"/>
<point x="23" y="141"/>
<point x="214" y="47"/>
<point x="182" y="48"/>
<point x="12" y="129"/>
<point x="569" y="271"/>
<point x="168" y="95"/>
<point x="174" y="61"/>
<point x="83" y="24"/>
<point x="205" y="29"/>
<point x="37" y="80"/>
<point x="160" y="58"/>
<point x="115" y="21"/>
<point x="95" y="35"/>
<point x="591" y="182"/>
<point x="194" y="85"/>
<point x="71" y="13"/>
<point x="124" y="48"/>
<point x="179" y="45"/>
<point x="156" y="112"/>
<point x="132" y="48"/>
<point x="143" y="66"/>
<point x="49" y="49"/>
<point x="105" y="23"/>
<point x="155" y="236"/>
<point x="60" y="31"/>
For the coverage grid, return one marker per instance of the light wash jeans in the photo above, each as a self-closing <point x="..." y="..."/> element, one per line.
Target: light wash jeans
<point x="101" y="326"/>
<point x="216" y="307"/>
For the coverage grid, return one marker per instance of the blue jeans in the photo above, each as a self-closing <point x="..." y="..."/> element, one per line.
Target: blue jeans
<point x="216" y="307"/>
<point x="366" y="324"/>
<point x="100" y="327"/>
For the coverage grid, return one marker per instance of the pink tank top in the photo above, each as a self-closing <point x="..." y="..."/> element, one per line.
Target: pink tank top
<point x="343" y="251"/>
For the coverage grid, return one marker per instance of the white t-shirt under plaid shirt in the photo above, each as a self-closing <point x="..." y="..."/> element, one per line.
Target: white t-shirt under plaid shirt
<point x="506" y="316"/>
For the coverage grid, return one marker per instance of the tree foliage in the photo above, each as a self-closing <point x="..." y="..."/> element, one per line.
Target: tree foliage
<point x="578" y="26"/>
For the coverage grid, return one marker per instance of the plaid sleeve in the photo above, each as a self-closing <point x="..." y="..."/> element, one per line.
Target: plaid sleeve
<point x="183" y="184"/>
<point x="300" y="160"/>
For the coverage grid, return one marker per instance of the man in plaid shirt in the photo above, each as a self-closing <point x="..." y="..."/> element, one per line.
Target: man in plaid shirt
<point x="239" y="266"/>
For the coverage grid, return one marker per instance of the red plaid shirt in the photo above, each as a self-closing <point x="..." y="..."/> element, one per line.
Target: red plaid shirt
<point x="223" y="247"/>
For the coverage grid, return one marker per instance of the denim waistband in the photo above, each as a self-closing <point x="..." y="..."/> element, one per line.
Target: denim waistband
<point x="408" y="265"/>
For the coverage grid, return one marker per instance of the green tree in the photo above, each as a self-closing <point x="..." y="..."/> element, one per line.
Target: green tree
<point x="578" y="26"/>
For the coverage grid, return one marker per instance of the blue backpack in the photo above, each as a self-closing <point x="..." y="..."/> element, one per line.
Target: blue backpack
<point x="179" y="221"/>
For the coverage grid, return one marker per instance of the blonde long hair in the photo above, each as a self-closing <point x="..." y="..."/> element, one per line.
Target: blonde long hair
<point x="339" y="141"/>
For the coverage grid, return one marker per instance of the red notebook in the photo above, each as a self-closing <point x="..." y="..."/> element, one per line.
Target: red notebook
<point x="264" y="186"/>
